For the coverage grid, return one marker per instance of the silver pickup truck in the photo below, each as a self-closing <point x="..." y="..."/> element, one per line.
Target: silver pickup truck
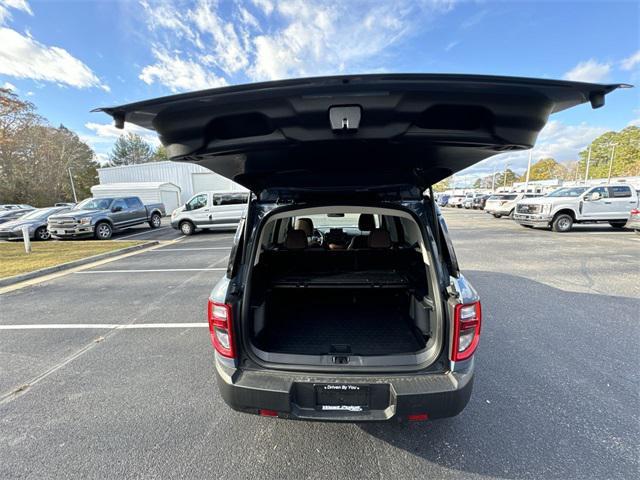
<point x="100" y="217"/>
<point x="565" y="207"/>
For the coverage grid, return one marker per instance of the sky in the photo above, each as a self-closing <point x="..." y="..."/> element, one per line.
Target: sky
<point x="68" y="57"/>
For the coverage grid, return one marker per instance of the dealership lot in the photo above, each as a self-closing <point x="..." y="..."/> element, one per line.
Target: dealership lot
<point x="556" y="393"/>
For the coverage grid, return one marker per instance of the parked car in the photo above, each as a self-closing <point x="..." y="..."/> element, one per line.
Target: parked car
<point x="456" y="201"/>
<point x="374" y="321"/>
<point x="469" y="199"/>
<point x="211" y="211"/>
<point x="503" y="205"/>
<point x="634" y="220"/>
<point x="12" y="214"/>
<point x="15" y="206"/>
<point x="479" y="202"/>
<point x="100" y="217"/>
<point x="443" y="200"/>
<point x="566" y="206"/>
<point x="35" y="220"/>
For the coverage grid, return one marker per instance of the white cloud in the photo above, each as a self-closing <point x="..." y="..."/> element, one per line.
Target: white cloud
<point x="299" y="38"/>
<point x="589" y="71"/>
<point x="5" y="5"/>
<point x="178" y="74"/>
<point x="222" y="42"/>
<point x="9" y="86"/>
<point x="630" y="62"/>
<point x="265" y="5"/>
<point x="106" y="133"/>
<point x="557" y="140"/>
<point x="451" y="45"/>
<point x="23" y="57"/>
<point x="103" y="136"/>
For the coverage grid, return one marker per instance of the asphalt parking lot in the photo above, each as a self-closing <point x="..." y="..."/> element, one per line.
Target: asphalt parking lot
<point x="556" y="391"/>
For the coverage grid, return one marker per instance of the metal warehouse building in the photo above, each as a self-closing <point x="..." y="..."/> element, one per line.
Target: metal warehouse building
<point x="188" y="177"/>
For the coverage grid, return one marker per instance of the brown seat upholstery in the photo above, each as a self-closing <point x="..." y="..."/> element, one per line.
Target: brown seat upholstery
<point x="379" y="238"/>
<point x="296" y="240"/>
<point x="366" y="223"/>
<point x="306" y="225"/>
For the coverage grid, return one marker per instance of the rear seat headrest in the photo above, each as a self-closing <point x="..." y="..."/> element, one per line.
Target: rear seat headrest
<point x="366" y="222"/>
<point x="304" y="224"/>
<point x="379" y="238"/>
<point x="296" y="240"/>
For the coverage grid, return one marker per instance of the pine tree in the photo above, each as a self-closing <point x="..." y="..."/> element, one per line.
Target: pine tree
<point x="130" y="149"/>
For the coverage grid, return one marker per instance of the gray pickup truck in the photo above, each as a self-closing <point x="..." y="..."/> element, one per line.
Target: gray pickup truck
<point x="100" y="217"/>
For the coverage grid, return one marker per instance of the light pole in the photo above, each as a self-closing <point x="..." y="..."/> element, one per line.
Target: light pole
<point x="493" y="180"/>
<point x="506" y="167"/>
<point x="73" y="187"/>
<point x="586" y="173"/>
<point x="526" y="182"/>
<point x="613" y="152"/>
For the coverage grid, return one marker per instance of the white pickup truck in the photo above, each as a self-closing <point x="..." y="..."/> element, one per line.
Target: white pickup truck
<point x="566" y="206"/>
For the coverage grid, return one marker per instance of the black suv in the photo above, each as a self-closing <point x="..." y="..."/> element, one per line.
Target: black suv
<point x="343" y="300"/>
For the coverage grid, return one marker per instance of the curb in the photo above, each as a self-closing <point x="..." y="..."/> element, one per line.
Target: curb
<point x="5" y="282"/>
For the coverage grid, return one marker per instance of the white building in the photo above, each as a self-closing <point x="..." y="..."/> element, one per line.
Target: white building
<point x="149" y="192"/>
<point x="189" y="177"/>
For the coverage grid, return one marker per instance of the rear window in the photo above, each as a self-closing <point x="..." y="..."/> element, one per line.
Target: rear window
<point x="502" y="197"/>
<point x="231" y="199"/>
<point x="133" y="202"/>
<point x="619" y="192"/>
<point x="341" y="220"/>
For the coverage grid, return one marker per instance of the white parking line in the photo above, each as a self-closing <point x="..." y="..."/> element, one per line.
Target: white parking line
<point x="102" y="326"/>
<point x="142" y="233"/>
<point x="617" y="234"/>
<point x="86" y="272"/>
<point x="160" y="250"/>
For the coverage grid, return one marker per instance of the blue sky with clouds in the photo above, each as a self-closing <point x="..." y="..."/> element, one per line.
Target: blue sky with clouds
<point x="68" y="57"/>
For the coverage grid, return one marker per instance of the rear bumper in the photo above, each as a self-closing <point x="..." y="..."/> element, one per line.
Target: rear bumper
<point x="292" y="395"/>
<point x="12" y="235"/>
<point x="633" y="223"/>
<point x="535" y="220"/>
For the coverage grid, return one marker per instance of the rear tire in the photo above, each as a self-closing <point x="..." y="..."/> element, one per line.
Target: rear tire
<point x="497" y="215"/>
<point x="187" y="228"/>
<point x="155" y="221"/>
<point x="42" y="234"/>
<point x="617" y="224"/>
<point x="103" y="231"/>
<point x="562" y="223"/>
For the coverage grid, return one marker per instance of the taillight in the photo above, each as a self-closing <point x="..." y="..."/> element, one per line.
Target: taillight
<point x="466" y="330"/>
<point x="220" y="328"/>
<point x="635" y="211"/>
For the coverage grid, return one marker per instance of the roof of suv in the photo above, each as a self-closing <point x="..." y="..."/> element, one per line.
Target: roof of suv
<point x="355" y="132"/>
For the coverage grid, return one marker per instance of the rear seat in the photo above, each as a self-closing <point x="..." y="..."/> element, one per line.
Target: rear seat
<point x="298" y="258"/>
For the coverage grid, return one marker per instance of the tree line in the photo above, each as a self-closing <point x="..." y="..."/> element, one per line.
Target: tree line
<point x="36" y="159"/>
<point x="618" y="151"/>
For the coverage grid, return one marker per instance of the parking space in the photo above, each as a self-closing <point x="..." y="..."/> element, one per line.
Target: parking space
<point x="555" y="393"/>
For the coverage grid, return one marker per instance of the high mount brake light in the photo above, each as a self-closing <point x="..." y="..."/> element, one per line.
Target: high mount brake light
<point x="466" y="330"/>
<point x="219" y="316"/>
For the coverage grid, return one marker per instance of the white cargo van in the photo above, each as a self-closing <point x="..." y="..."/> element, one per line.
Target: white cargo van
<point x="210" y="210"/>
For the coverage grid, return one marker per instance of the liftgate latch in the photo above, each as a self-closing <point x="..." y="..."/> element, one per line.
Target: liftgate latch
<point x="345" y="117"/>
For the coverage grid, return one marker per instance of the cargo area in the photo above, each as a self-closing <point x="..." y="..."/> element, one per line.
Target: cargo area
<point x="359" y="296"/>
<point x="356" y="321"/>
